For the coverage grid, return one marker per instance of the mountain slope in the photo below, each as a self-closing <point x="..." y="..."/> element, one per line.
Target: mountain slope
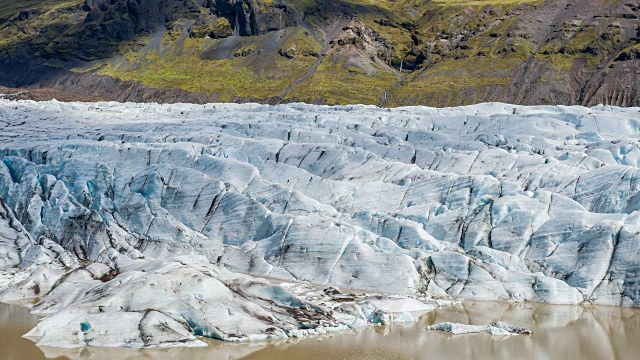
<point x="390" y="53"/>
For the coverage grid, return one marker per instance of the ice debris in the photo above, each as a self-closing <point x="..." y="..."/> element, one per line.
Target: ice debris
<point x="496" y="328"/>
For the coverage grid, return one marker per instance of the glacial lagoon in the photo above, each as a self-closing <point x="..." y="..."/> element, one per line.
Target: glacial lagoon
<point x="560" y="332"/>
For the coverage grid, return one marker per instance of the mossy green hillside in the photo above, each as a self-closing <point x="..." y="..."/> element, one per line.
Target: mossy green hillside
<point x="38" y="22"/>
<point x="484" y="2"/>
<point x="341" y="83"/>
<point x="443" y="84"/>
<point x="471" y="68"/>
<point x="301" y="42"/>
<point x="11" y="8"/>
<point x="179" y="65"/>
<point x="440" y="52"/>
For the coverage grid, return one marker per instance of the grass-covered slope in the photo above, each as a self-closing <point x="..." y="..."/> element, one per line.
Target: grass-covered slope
<point x="403" y="52"/>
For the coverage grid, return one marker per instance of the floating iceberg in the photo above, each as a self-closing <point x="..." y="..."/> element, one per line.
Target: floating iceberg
<point x="497" y="328"/>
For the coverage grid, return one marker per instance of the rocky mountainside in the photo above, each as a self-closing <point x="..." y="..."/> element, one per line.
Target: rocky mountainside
<point x="390" y="53"/>
<point x="170" y="214"/>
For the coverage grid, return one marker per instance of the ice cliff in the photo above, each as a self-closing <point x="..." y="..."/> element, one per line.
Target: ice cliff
<point x="168" y="214"/>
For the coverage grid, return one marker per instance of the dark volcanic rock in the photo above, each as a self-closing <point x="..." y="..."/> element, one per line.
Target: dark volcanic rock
<point x="251" y="17"/>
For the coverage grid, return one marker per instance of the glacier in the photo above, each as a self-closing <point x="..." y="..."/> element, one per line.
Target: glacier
<point x="190" y="220"/>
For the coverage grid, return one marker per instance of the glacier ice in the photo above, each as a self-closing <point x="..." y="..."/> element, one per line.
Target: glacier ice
<point x="104" y="203"/>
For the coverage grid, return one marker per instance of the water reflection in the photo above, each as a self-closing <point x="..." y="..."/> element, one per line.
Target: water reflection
<point x="560" y="332"/>
<point x="15" y="321"/>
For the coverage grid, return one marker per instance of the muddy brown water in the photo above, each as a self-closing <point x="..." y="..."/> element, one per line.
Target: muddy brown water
<point x="560" y="332"/>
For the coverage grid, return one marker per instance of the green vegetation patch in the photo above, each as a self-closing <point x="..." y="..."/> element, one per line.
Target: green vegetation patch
<point x="338" y="83"/>
<point x="441" y="84"/>
<point x="44" y="21"/>
<point x="301" y="42"/>
<point x="11" y="8"/>
<point x="258" y="76"/>
<point x="484" y="2"/>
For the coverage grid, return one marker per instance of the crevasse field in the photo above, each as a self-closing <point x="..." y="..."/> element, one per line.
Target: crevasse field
<point x="143" y="225"/>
